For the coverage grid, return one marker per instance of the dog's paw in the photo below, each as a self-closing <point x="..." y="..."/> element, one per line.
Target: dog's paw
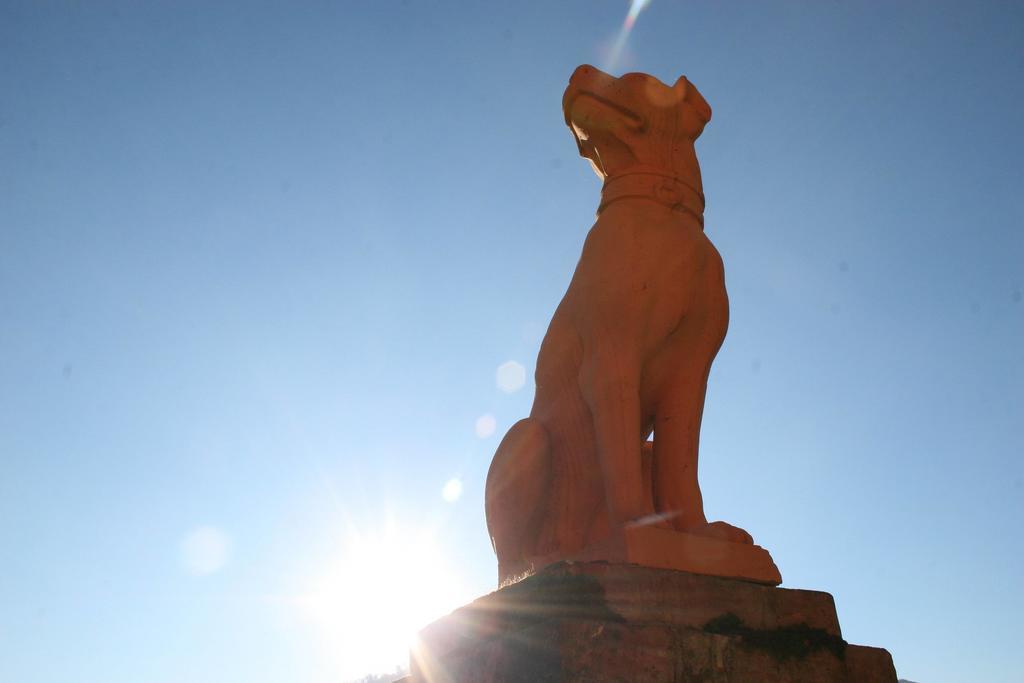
<point x="724" y="532"/>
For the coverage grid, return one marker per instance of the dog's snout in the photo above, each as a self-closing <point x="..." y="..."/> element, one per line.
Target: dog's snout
<point x="581" y="71"/>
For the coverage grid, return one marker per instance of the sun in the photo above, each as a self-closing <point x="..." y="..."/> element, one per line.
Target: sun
<point x="369" y="603"/>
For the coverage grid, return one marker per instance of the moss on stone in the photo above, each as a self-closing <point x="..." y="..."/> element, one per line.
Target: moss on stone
<point x="787" y="642"/>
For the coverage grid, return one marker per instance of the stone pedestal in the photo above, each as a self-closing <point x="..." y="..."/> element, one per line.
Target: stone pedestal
<point x="599" y="622"/>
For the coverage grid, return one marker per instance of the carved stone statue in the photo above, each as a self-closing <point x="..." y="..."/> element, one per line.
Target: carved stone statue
<point x="578" y="496"/>
<point x="627" y="353"/>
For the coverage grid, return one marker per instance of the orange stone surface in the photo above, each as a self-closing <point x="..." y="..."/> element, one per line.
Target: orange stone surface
<point x="652" y="546"/>
<point x="627" y="354"/>
<point x="611" y="571"/>
<point x="600" y="622"/>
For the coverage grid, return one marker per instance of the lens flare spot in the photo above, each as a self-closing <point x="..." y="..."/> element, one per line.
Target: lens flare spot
<point x="511" y="376"/>
<point x="205" y="550"/>
<point x="485" y="425"/>
<point x="452" y="490"/>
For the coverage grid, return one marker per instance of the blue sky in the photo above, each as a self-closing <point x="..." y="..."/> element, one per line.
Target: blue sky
<point x="260" y="262"/>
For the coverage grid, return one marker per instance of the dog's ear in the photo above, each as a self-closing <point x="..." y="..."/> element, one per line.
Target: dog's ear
<point x="688" y="93"/>
<point x="694" y="111"/>
<point x="681" y="87"/>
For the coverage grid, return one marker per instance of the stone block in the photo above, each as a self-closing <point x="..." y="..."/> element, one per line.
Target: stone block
<point x="600" y="622"/>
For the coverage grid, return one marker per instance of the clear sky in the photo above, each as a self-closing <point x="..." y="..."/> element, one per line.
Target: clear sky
<point x="260" y="264"/>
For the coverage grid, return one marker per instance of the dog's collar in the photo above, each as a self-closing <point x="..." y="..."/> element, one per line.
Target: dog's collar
<point x="664" y="189"/>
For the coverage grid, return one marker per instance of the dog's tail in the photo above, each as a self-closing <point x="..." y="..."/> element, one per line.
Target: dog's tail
<point x="514" y="496"/>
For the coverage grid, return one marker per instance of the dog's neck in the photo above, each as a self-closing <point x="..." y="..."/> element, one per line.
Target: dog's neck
<point x="655" y="185"/>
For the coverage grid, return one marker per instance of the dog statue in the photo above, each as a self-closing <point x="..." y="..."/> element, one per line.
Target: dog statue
<point x="629" y="347"/>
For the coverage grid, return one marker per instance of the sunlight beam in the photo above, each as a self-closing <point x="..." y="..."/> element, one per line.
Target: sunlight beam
<point x="635" y="7"/>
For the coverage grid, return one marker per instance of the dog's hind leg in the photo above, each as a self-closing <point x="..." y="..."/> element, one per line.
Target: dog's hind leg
<point x="516" y="492"/>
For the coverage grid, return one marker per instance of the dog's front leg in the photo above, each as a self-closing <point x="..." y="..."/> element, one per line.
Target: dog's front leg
<point x="609" y="379"/>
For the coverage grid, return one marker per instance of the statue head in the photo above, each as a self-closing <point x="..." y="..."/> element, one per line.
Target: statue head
<point x="636" y="123"/>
